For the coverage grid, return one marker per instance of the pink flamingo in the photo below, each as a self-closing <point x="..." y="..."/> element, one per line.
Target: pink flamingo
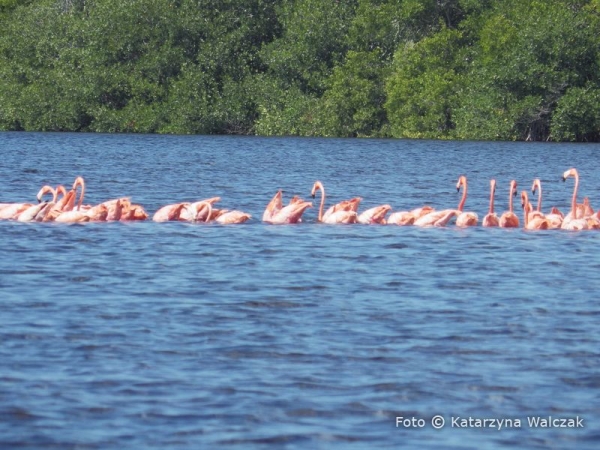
<point x="571" y="222"/>
<point x="554" y="219"/>
<point x="48" y="190"/>
<point x="273" y="207"/>
<point x="403" y="218"/>
<point x="374" y="215"/>
<point x="343" y="212"/>
<point x="31" y="213"/>
<point x="233" y="217"/>
<point x="72" y="217"/>
<point x="509" y="219"/>
<point x="290" y="214"/>
<point x="464" y="219"/>
<point x="70" y="205"/>
<point x="121" y="209"/>
<point x="199" y="211"/>
<point x="169" y="212"/>
<point x="586" y="207"/>
<point x="13" y="210"/>
<point x="436" y="218"/>
<point x="491" y="219"/>
<point x="535" y="221"/>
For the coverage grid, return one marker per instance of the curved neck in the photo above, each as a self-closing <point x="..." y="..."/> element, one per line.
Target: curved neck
<point x="461" y="205"/>
<point x="320" y="186"/>
<point x="209" y="205"/>
<point x="525" y="209"/>
<point x="574" y="199"/>
<point x="79" y="182"/>
<point x="60" y="189"/>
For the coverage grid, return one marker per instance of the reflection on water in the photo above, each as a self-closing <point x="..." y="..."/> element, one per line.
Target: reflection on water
<point x="184" y="336"/>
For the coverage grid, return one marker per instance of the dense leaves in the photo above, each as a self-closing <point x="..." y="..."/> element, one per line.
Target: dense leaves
<point x="440" y="69"/>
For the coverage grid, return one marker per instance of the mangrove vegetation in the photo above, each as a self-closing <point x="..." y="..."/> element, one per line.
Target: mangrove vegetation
<point x="432" y="69"/>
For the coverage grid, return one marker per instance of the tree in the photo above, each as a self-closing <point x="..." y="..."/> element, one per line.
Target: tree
<point x="423" y="87"/>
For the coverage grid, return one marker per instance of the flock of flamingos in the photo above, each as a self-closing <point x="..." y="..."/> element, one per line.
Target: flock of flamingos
<point x="64" y="207"/>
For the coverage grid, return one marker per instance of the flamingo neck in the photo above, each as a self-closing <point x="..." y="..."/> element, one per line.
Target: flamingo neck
<point x="209" y="211"/>
<point x="539" y="204"/>
<point x="81" y="197"/>
<point x="492" y="201"/>
<point x="322" y="202"/>
<point x="574" y="199"/>
<point x="525" y="209"/>
<point x="510" y="199"/>
<point x="461" y="205"/>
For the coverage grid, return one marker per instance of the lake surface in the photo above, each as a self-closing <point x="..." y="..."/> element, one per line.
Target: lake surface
<point x="175" y="335"/>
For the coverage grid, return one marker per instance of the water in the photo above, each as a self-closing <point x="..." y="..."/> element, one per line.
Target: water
<point x="172" y="335"/>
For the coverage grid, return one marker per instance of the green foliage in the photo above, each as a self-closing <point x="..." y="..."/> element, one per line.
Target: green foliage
<point x="312" y="43"/>
<point x="353" y="104"/>
<point x="285" y="110"/>
<point x="422" y="88"/>
<point x="577" y="116"/>
<point x="527" y="55"/>
<point x="465" y="69"/>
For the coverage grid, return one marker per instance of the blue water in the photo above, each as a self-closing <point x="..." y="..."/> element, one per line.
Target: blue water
<point x="174" y="335"/>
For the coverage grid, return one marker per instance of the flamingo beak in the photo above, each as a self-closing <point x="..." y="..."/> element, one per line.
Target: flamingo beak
<point x="564" y="179"/>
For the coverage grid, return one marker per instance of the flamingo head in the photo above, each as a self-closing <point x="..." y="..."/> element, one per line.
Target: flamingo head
<point x="572" y="172"/>
<point x="537" y="184"/>
<point x="513" y="187"/>
<point x="45" y="190"/>
<point x="317" y="185"/>
<point x="524" y="200"/>
<point x="462" y="181"/>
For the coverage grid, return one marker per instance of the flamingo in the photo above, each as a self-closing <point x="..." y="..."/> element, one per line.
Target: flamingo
<point x="586" y="207"/>
<point x="464" y="219"/>
<point x="436" y="218"/>
<point x="343" y="212"/>
<point x="509" y="219"/>
<point x="233" y="217"/>
<point x="273" y="207"/>
<point x="79" y="182"/>
<point x="72" y="216"/>
<point x="554" y="218"/>
<point x="199" y="211"/>
<point x="571" y="222"/>
<point x="47" y="190"/>
<point x="403" y="218"/>
<point x="535" y="221"/>
<point x="374" y="215"/>
<point x="290" y="214"/>
<point x="121" y="209"/>
<point x="13" y="210"/>
<point x="202" y="210"/>
<point x="491" y="219"/>
<point x="169" y="212"/>
<point x="134" y="212"/>
<point x="30" y="214"/>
